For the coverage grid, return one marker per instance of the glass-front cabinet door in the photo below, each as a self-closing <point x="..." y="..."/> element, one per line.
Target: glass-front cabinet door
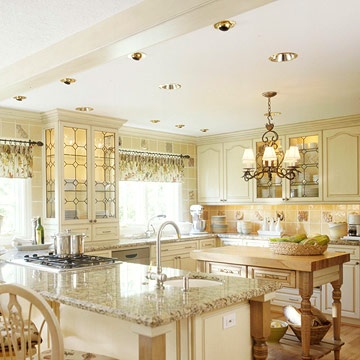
<point x="104" y="175"/>
<point x="306" y="184"/>
<point x="76" y="178"/>
<point x="268" y="187"/>
<point x="81" y="187"/>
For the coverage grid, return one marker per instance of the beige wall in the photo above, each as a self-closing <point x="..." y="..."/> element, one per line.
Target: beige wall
<point x="21" y="125"/>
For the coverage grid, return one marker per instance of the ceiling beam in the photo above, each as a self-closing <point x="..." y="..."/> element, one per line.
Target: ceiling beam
<point x="139" y="27"/>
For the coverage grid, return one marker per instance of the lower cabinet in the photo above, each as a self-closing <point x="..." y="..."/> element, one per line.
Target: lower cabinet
<point x="350" y="299"/>
<point x="288" y="295"/>
<point x="104" y="253"/>
<point x="177" y="254"/>
<point x="214" y="337"/>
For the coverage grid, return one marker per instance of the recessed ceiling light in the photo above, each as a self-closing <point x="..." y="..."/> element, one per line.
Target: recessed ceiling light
<point x="19" y="97"/>
<point x="84" y="108"/>
<point x="283" y="56"/>
<point x="137" y="56"/>
<point x="155" y="121"/>
<point x="224" y="25"/>
<point x="204" y="130"/>
<point x="171" y="86"/>
<point x="68" y="81"/>
<point x="180" y="126"/>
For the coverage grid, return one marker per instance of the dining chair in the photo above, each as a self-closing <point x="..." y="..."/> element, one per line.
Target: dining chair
<point x="29" y="328"/>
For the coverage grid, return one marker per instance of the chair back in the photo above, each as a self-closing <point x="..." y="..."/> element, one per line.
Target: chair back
<point x="28" y="325"/>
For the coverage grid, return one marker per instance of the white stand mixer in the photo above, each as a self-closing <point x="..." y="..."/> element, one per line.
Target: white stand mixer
<point x="198" y="223"/>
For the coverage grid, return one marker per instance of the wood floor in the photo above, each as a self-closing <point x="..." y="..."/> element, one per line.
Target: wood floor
<point x="350" y="334"/>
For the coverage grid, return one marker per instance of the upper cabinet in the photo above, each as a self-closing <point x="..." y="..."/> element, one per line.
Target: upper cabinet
<point x="305" y="186"/>
<point x="81" y="182"/>
<point x="342" y="164"/>
<point x="219" y="173"/>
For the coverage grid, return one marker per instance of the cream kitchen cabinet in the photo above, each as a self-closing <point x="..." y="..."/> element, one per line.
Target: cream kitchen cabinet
<point x="81" y="182"/>
<point x="351" y="284"/>
<point x="306" y="185"/>
<point x="177" y="254"/>
<point x="342" y="164"/>
<point x="220" y="171"/>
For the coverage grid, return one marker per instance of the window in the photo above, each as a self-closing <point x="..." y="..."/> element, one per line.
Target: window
<point x="139" y="201"/>
<point x="15" y="209"/>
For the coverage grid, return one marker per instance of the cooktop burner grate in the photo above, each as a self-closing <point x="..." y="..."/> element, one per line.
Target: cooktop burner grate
<point x="70" y="262"/>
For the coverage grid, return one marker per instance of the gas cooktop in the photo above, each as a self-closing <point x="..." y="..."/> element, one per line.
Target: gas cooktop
<point x="53" y="262"/>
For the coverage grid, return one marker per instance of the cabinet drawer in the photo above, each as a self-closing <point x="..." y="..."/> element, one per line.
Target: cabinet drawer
<point x="291" y="297"/>
<point x="208" y="243"/>
<point x="106" y="232"/>
<point x="285" y="277"/>
<point x="106" y="253"/>
<point x="354" y="251"/>
<point x="177" y="248"/>
<point x="226" y="269"/>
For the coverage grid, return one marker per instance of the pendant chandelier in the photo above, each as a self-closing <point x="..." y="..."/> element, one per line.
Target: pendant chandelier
<point x="270" y="159"/>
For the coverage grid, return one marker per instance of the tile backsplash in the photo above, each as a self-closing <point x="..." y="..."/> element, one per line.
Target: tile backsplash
<point x="309" y="219"/>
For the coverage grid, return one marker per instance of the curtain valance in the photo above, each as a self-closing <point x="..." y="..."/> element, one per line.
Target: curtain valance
<point x="16" y="161"/>
<point x="147" y="166"/>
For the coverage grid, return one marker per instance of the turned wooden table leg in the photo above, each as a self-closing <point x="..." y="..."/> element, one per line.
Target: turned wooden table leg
<point x="260" y="319"/>
<point x="306" y="290"/>
<point x="336" y="311"/>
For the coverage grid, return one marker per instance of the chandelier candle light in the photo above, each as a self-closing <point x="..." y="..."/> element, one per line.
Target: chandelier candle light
<point x="270" y="157"/>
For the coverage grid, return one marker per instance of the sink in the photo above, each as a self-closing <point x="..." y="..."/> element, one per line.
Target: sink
<point x="193" y="283"/>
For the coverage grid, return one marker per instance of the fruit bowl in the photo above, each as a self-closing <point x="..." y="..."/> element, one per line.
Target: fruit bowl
<point x="277" y="330"/>
<point x="287" y="248"/>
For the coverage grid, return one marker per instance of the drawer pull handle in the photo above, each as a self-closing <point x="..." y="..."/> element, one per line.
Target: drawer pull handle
<point x="226" y="271"/>
<point x="106" y="231"/>
<point x="292" y="299"/>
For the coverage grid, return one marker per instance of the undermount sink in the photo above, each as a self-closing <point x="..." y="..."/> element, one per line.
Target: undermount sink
<point x="193" y="283"/>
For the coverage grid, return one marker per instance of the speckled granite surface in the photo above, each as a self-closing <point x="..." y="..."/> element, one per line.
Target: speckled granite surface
<point x="122" y="291"/>
<point x="134" y="242"/>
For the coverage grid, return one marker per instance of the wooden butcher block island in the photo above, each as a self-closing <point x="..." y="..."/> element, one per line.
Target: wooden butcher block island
<point x="303" y="272"/>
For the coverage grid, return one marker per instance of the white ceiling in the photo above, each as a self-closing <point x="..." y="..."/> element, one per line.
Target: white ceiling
<point x="222" y="74"/>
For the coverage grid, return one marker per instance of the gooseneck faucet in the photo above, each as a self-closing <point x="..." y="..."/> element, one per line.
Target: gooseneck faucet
<point x="148" y="231"/>
<point x="159" y="276"/>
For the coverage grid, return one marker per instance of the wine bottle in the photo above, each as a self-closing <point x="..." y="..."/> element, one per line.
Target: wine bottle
<point x="39" y="232"/>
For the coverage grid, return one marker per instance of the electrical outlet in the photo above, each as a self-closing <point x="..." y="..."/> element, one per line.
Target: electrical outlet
<point x="229" y="320"/>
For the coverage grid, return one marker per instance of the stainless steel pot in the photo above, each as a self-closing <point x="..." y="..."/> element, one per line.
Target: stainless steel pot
<point x="77" y="244"/>
<point x="67" y="244"/>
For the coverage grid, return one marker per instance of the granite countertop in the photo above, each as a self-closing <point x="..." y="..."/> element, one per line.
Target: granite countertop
<point x="128" y="242"/>
<point x="123" y="291"/>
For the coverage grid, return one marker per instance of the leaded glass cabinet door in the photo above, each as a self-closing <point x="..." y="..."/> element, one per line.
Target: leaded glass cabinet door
<point x="266" y="187"/>
<point x="104" y="174"/>
<point x="75" y="181"/>
<point x="306" y="183"/>
<point x="50" y="175"/>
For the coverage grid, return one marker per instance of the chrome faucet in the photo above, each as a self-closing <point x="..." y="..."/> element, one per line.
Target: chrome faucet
<point x="159" y="276"/>
<point x="152" y="231"/>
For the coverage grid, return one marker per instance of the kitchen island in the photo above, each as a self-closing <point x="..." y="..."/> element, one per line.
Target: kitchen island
<point x="121" y="296"/>
<point x="305" y="271"/>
